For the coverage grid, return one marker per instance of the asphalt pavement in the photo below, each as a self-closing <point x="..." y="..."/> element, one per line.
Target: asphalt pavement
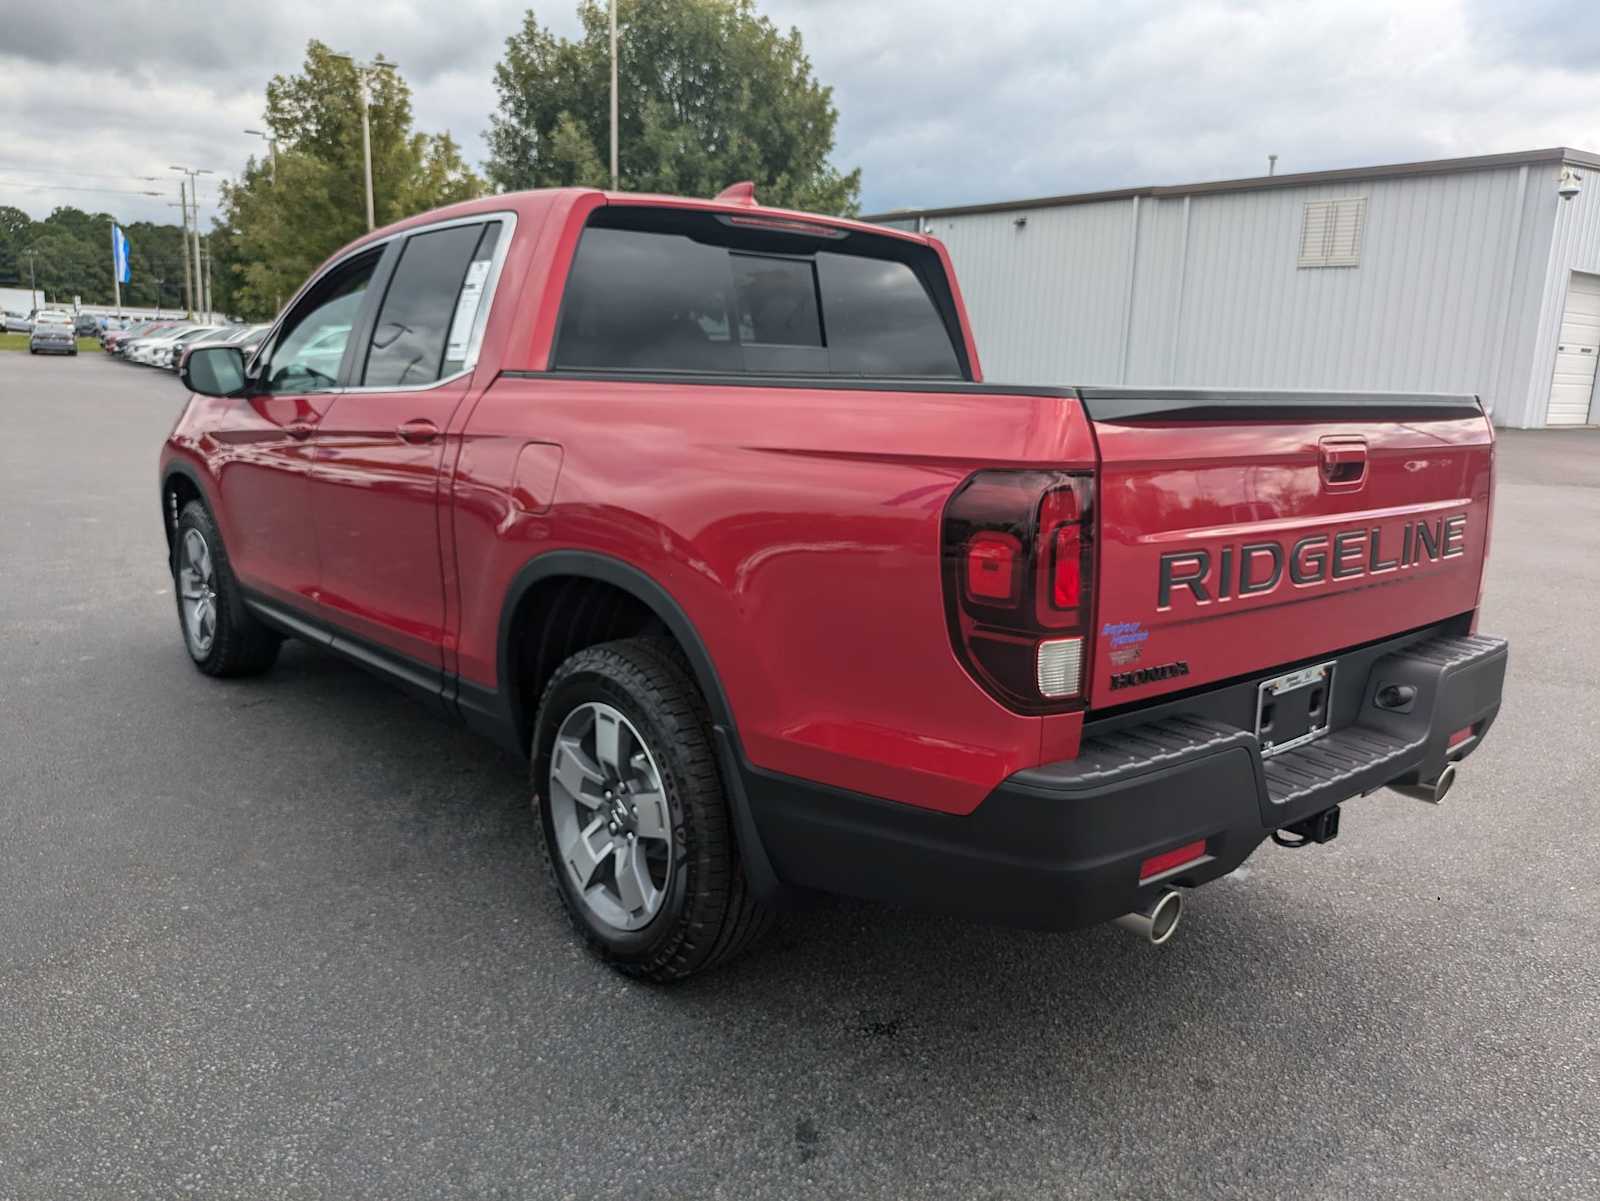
<point x="288" y="938"/>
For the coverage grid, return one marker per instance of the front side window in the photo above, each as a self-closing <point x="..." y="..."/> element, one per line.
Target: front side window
<point x="311" y="344"/>
<point x="430" y="306"/>
<point x="701" y="296"/>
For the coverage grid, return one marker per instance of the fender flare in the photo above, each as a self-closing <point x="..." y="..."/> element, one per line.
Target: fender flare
<point x="643" y="588"/>
<point x="181" y="466"/>
<point x="762" y="878"/>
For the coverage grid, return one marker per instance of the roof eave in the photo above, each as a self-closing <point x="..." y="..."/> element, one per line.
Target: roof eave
<point x="1481" y="162"/>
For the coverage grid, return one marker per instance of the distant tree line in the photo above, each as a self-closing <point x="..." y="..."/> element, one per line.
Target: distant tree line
<point x="712" y="93"/>
<point x="70" y="254"/>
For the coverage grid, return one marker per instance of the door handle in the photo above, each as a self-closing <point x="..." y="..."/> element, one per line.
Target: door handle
<point x="418" y="431"/>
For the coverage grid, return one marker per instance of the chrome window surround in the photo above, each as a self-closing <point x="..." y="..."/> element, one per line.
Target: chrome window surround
<point x="507" y="219"/>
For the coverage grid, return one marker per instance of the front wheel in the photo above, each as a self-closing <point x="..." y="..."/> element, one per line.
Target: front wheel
<point x="222" y="636"/>
<point x="638" y="836"/>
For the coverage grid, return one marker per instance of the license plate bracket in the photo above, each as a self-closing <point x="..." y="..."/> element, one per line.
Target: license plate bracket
<point x="1294" y="708"/>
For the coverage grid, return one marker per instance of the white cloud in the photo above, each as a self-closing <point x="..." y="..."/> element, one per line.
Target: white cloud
<point x="941" y="101"/>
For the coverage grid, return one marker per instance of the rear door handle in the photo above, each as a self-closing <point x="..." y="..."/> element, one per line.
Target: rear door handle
<point x="418" y="431"/>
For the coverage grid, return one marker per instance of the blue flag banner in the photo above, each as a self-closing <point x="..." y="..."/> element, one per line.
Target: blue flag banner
<point x="119" y="248"/>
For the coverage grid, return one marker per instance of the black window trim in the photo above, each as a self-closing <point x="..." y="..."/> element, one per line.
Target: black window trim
<point x="361" y="328"/>
<point x="269" y="344"/>
<point x="938" y="286"/>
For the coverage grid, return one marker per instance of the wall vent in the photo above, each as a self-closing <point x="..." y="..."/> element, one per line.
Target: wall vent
<point x="1330" y="233"/>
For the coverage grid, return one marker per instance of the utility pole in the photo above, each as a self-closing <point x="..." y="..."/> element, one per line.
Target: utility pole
<point x="194" y="233"/>
<point x="33" y="288"/>
<point x="362" y="71"/>
<point x="613" y="7"/>
<point x="183" y="207"/>
<point x="160" y="283"/>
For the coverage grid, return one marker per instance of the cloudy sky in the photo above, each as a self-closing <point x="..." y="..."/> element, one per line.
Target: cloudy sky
<point x="941" y="101"/>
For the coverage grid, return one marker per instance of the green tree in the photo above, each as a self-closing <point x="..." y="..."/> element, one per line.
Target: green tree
<point x="709" y="93"/>
<point x="15" y="228"/>
<point x="272" y="234"/>
<point x="71" y="253"/>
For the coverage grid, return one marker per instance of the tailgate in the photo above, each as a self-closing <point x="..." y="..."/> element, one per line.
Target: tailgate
<point x="1240" y="532"/>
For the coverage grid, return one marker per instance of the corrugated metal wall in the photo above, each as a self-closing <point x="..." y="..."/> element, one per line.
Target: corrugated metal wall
<point x="1204" y="289"/>
<point x="1574" y="246"/>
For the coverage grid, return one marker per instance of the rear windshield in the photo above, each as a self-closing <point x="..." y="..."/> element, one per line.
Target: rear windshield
<point x="666" y="291"/>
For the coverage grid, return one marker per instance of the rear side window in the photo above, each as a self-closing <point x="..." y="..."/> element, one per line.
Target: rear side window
<point x="430" y="305"/>
<point x="881" y="320"/>
<point x="704" y="297"/>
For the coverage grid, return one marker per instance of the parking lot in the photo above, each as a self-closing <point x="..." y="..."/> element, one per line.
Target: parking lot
<point x="291" y="938"/>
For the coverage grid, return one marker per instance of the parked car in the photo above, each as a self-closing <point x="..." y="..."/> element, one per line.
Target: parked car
<point x="246" y="337"/>
<point x="17" y="323"/>
<point x="85" y="325"/>
<point x="116" y="342"/>
<point x="250" y="341"/>
<point x="52" y="333"/>
<point x="138" y="350"/>
<point x="159" y="352"/>
<point x="713" y="518"/>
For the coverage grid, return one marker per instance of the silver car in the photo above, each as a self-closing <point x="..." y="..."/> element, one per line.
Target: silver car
<point x="16" y="323"/>
<point x="52" y="333"/>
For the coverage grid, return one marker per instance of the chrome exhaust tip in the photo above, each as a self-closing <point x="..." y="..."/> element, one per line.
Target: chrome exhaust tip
<point x="1432" y="791"/>
<point x="1157" y="921"/>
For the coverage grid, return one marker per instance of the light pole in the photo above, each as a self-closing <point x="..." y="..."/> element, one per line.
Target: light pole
<point x="194" y="201"/>
<point x="210" y="309"/>
<point x="613" y="7"/>
<point x="377" y="64"/>
<point x="272" y="151"/>
<point x="160" y="283"/>
<point x="183" y="207"/>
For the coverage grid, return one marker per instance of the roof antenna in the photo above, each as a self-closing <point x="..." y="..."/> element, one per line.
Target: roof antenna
<point x="743" y="192"/>
<point x="1272" y="164"/>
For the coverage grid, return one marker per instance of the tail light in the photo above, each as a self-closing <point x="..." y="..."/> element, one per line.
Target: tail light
<point x="1018" y="568"/>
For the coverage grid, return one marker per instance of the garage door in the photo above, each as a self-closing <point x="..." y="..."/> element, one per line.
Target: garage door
<point x="1577" y="352"/>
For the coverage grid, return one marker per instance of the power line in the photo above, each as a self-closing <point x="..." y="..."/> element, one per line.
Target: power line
<point x="27" y="169"/>
<point x="58" y="187"/>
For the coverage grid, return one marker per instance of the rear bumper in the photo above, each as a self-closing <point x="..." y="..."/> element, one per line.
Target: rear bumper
<point x="1060" y="846"/>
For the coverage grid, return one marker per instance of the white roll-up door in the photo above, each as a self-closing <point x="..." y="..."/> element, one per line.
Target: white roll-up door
<point x="1572" y="395"/>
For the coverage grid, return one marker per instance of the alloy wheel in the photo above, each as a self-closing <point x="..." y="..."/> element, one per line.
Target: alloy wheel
<point x="197" y="593"/>
<point x="609" y="812"/>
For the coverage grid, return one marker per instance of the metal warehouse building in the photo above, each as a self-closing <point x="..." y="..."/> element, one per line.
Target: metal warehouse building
<point x="1461" y="275"/>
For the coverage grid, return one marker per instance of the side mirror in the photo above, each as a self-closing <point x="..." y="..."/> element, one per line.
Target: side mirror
<point x="214" y="371"/>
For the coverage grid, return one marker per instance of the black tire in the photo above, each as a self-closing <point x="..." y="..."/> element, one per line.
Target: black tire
<point x="240" y="645"/>
<point x="708" y="916"/>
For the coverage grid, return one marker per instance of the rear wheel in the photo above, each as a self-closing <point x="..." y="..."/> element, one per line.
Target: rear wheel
<point x="638" y="837"/>
<point x="222" y="636"/>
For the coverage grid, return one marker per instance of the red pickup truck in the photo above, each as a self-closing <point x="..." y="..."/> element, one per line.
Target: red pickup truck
<point x="705" y="509"/>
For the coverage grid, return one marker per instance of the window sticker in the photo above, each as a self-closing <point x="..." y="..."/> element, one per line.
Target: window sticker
<point x="467" y="310"/>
